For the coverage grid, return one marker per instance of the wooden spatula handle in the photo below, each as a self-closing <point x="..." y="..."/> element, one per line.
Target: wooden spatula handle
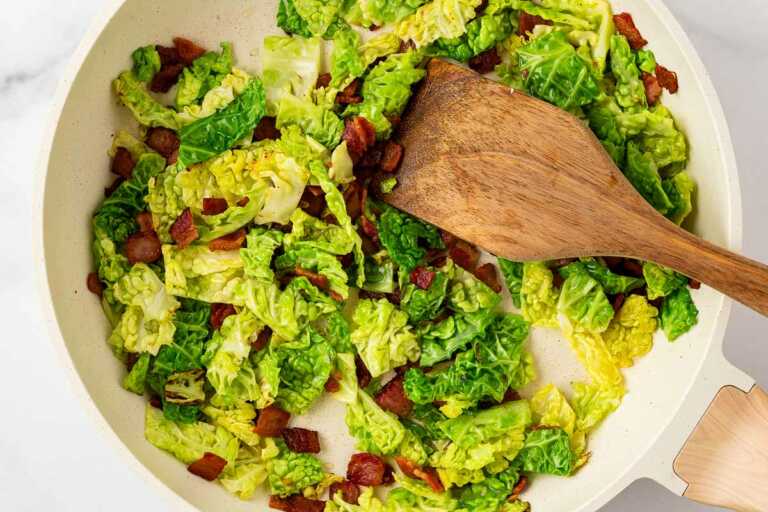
<point x="725" y="461"/>
<point x="738" y="277"/>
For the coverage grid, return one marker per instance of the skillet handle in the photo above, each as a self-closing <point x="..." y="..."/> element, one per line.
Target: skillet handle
<point x="725" y="460"/>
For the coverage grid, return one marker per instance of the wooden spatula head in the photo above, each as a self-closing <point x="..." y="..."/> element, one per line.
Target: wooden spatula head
<point x="517" y="176"/>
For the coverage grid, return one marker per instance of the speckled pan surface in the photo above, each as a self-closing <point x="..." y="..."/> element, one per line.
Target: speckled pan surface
<point x="668" y="390"/>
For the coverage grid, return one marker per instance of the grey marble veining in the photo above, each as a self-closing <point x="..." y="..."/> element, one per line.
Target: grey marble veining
<point x="53" y="457"/>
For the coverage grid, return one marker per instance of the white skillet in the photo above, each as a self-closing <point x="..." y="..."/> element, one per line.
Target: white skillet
<point x="669" y="389"/>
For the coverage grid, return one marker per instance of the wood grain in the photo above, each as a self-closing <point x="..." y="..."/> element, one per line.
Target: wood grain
<point x="725" y="461"/>
<point x="525" y="180"/>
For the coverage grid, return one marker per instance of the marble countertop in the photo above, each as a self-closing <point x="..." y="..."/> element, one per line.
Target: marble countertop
<point x="52" y="456"/>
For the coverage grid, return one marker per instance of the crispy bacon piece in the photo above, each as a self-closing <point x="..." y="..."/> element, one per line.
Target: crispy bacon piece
<point x="361" y="371"/>
<point x="243" y="202"/>
<point x="518" y="489"/>
<point x="422" y="277"/>
<point x="487" y="273"/>
<point x="667" y="79"/>
<point x="352" y="198"/>
<point x="183" y="230"/>
<point x="262" y="340"/>
<point x="369" y="228"/>
<point x="316" y="279"/>
<point x="510" y="396"/>
<point x="188" y="51"/>
<point x="332" y="384"/>
<point x="123" y="163"/>
<point x="392" y="397"/>
<point x="209" y="467"/>
<point x="271" y="422"/>
<point x="372" y="158"/>
<point x="528" y="22"/>
<point x="168" y="55"/>
<point x="323" y="80"/>
<point x="485" y="62"/>
<point x="625" y="25"/>
<point x="144" y="220"/>
<point x="350" y="94"/>
<point x="618" y="301"/>
<point x="393" y="155"/>
<point x="632" y="267"/>
<point x="449" y="239"/>
<point x="359" y="134"/>
<point x="694" y="284"/>
<point x="464" y="255"/>
<point x="166" y="78"/>
<point x="143" y="248"/>
<point x="214" y="205"/>
<point x="312" y="201"/>
<point x="296" y="503"/>
<point x="366" y="469"/>
<point x="163" y="140"/>
<point x="652" y="88"/>
<point x="350" y="492"/>
<point x="301" y="440"/>
<point x="219" y="312"/>
<point x="428" y="475"/>
<point x="94" y="284"/>
<point x="228" y="242"/>
<point x="266" y="130"/>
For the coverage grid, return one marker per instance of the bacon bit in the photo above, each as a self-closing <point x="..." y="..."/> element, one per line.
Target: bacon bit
<point x="323" y="80"/>
<point x="528" y="22"/>
<point x="481" y="8"/>
<point x="243" y="202"/>
<point x="155" y="402"/>
<point x="271" y="422"/>
<point x="428" y="475"/>
<point x="166" y="78"/>
<point x="366" y="469"/>
<point x="487" y="273"/>
<point x="560" y="263"/>
<point x="694" y="284"/>
<point x="168" y="55"/>
<point x="143" y="248"/>
<point x="335" y="296"/>
<point x="422" y="277"/>
<point x="667" y="79"/>
<point x="557" y="280"/>
<point x="361" y="371"/>
<point x="266" y="130"/>
<point x="183" y="230"/>
<point x="613" y="262"/>
<point x="350" y="492"/>
<point x="518" y="489"/>
<point x="94" y="284"/>
<point x="393" y="155"/>
<point x="123" y="163"/>
<point x="301" y="440"/>
<point x="350" y="95"/>
<point x="464" y="255"/>
<point x="389" y="475"/>
<point x="652" y="88"/>
<point x="625" y="25"/>
<point x="209" y="467"/>
<point x="114" y="186"/>
<point x="262" y="340"/>
<point x="316" y="279"/>
<point x="510" y="396"/>
<point x="352" y="197"/>
<point x="228" y="242"/>
<point x="618" y="301"/>
<point x="296" y="503"/>
<point x="332" y="384"/>
<point x="214" y="205"/>
<point x="392" y="397"/>
<point x="359" y="134"/>
<point x="633" y="268"/>
<point x="188" y="51"/>
<point x="144" y="220"/>
<point x="219" y="312"/>
<point x="163" y="140"/>
<point x="312" y="202"/>
<point x="369" y="228"/>
<point x="448" y="238"/>
<point x="486" y="61"/>
<point x="372" y="157"/>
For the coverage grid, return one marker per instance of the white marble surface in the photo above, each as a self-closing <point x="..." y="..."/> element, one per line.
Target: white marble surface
<point x="52" y="457"/>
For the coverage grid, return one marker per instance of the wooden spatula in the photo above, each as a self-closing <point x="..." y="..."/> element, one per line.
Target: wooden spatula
<point x="527" y="181"/>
